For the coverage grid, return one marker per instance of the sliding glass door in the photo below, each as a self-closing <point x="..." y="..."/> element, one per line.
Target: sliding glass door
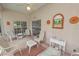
<point x="36" y="27"/>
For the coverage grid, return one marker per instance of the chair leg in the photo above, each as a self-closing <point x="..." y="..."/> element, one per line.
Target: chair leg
<point x="20" y="52"/>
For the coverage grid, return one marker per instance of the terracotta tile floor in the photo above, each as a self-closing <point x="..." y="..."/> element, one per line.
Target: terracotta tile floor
<point x="34" y="51"/>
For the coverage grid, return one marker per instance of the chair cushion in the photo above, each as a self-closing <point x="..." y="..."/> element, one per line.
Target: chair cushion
<point x="3" y="43"/>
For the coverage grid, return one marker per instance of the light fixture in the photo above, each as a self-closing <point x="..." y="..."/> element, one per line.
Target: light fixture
<point x="28" y="8"/>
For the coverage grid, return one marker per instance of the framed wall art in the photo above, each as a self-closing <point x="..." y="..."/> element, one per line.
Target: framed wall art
<point x="58" y="21"/>
<point x="74" y="20"/>
<point x="48" y="21"/>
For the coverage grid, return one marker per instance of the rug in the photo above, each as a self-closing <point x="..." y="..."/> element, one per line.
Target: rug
<point x="34" y="51"/>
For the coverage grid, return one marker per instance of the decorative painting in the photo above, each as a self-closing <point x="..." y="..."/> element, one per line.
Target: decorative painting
<point x="48" y="21"/>
<point x="58" y="21"/>
<point x="74" y="20"/>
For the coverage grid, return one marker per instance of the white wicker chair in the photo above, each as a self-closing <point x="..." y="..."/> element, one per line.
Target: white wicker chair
<point x="6" y="48"/>
<point x="41" y="37"/>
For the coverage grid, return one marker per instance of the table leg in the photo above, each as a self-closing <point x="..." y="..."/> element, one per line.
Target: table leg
<point x="29" y="49"/>
<point x="37" y="45"/>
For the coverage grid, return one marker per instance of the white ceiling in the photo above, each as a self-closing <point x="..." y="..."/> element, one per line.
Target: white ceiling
<point x="21" y="7"/>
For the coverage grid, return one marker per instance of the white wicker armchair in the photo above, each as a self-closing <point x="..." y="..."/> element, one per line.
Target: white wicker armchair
<point x="41" y="37"/>
<point x="6" y="49"/>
